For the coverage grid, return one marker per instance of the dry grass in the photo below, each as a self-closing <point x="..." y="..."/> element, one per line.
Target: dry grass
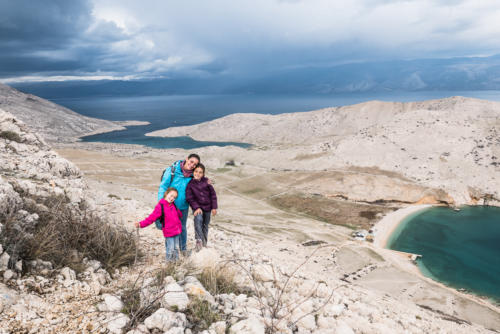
<point x="64" y="235"/>
<point x="219" y="280"/>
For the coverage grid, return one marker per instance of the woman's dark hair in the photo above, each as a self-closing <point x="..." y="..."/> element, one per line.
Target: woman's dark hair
<point x="202" y="166"/>
<point x="194" y="155"/>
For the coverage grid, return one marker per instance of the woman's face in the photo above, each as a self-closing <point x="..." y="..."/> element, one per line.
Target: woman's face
<point x="191" y="163"/>
<point x="198" y="173"/>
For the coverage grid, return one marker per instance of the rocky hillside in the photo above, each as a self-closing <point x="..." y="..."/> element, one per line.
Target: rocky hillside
<point x="451" y="143"/>
<point x="53" y="122"/>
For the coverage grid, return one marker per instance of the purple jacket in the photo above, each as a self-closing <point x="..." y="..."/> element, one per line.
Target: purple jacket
<point x="172" y="225"/>
<point x="201" y="195"/>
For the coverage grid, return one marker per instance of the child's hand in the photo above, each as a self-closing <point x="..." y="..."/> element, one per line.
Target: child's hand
<point x="214" y="212"/>
<point x="197" y="212"/>
<point x="137" y="225"/>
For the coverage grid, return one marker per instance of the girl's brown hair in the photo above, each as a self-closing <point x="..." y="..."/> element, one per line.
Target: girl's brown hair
<point x="202" y="166"/>
<point x="170" y="189"/>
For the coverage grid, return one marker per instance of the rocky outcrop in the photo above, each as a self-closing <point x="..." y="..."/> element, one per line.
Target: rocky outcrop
<point x="51" y="121"/>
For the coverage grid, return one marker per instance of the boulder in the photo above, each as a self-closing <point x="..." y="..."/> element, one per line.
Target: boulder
<point x="252" y="325"/>
<point x="117" y="323"/>
<point x="164" y="320"/>
<point x="175" y="297"/>
<point x="205" y="258"/>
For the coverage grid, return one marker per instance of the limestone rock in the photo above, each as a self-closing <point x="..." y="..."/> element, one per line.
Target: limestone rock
<point x="4" y="261"/>
<point x="343" y="328"/>
<point x="194" y="288"/>
<point x="218" y="327"/>
<point x="252" y="325"/>
<point x="164" y="320"/>
<point x="175" y="297"/>
<point x="263" y="272"/>
<point x="205" y="258"/>
<point x="110" y="304"/>
<point x="116" y="324"/>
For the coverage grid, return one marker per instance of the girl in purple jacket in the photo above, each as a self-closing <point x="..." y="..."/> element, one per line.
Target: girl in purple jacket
<point x="202" y="198"/>
<point x="171" y="222"/>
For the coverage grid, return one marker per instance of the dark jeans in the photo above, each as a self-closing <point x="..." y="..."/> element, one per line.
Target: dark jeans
<point x="201" y="222"/>
<point x="183" y="235"/>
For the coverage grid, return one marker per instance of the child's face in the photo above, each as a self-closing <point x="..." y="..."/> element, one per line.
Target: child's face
<point x="198" y="173"/>
<point x="171" y="196"/>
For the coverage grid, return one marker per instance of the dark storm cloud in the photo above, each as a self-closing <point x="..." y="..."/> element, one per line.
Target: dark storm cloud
<point x="54" y="37"/>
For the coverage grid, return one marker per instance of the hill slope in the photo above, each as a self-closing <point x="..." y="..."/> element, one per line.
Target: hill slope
<point x="54" y="122"/>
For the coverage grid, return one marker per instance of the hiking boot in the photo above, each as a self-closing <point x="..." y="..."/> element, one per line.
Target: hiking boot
<point x="199" y="245"/>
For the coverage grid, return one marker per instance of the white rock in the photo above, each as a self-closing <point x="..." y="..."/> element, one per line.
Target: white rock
<point x="263" y="272"/>
<point x="140" y="329"/>
<point x="164" y="319"/>
<point x="343" y="328"/>
<point x="252" y="325"/>
<point x="111" y="304"/>
<point x="175" y="297"/>
<point x="326" y="322"/>
<point x="19" y="266"/>
<point x="218" y="327"/>
<point x="205" y="258"/>
<point x="195" y="289"/>
<point x="4" y="261"/>
<point x="308" y="322"/>
<point x="306" y="288"/>
<point x="117" y="323"/>
<point x="333" y="310"/>
<point x="68" y="274"/>
<point x="8" y="274"/>
<point x="175" y="330"/>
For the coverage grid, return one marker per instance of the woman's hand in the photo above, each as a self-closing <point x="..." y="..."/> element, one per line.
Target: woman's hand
<point x="214" y="212"/>
<point x="137" y="224"/>
<point x="197" y="212"/>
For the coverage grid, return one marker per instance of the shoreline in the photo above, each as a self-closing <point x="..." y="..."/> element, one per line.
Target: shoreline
<point x="387" y="225"/>
<point x="384" y="230"/>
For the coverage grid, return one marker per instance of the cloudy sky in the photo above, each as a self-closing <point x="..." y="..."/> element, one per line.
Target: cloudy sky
<point x="56" y="40"/>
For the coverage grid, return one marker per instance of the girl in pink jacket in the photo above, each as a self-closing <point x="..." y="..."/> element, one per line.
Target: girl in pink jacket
<point x="171" y="222"/>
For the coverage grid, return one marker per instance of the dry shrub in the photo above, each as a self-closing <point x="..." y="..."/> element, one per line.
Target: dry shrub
<point x="11" y="135"/>
<point x="220" y="279"/>
<point x="200" y="313"/>
<point x="64" y="235"/>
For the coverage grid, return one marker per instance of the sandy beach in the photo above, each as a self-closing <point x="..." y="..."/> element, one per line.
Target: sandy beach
<point x="387" y="225"/>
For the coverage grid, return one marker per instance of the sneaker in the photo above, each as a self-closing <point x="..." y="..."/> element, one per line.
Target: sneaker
<point x="199" y="245"/>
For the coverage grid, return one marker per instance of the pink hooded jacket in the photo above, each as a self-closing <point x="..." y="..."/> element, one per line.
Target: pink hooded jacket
<point x="172" y="225"/>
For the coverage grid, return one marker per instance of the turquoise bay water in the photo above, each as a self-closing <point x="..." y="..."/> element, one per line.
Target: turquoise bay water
<point x="458" y="248"/>
<point x="178" y="110"/>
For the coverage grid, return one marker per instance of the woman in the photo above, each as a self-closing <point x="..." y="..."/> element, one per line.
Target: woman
<point x="178" y="176"/>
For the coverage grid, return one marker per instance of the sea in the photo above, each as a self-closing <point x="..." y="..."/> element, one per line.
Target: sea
<point x="459" y="248"/>
<point x="177" y="110"/>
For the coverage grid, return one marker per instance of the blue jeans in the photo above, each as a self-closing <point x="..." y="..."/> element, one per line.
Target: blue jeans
<point x="201" y="222"/>
<point x="172" y="248"/>
<point x="183" y="235"/>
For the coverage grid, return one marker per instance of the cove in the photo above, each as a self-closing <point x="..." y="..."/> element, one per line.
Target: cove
<point x="459" y="248"/>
